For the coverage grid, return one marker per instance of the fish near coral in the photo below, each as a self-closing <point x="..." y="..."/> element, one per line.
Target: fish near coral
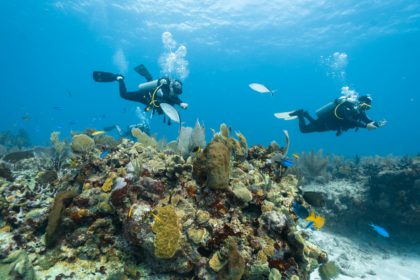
<point x="318" y="220"/>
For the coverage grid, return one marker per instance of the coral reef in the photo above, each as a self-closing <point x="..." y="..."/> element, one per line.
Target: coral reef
<point x="147" y="212"/>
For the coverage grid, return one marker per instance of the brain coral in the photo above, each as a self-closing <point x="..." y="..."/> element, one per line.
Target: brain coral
<point x="167" y="232"/>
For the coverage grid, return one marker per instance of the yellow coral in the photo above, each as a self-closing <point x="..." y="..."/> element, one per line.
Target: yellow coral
<point x="107" y="186"/>
<point x="167" y="232"/>
<point x="4" y="229"/>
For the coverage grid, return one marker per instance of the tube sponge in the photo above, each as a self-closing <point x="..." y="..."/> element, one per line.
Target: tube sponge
<point x="217" y="165"/>
<point x="55" y="215"/>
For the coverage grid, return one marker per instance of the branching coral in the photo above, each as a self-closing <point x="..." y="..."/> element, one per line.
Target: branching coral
<point x="312" y="165"/>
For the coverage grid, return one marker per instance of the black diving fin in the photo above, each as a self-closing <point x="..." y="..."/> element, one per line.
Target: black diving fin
<point x="104" y="77"/>
<point x="142" y="70"/>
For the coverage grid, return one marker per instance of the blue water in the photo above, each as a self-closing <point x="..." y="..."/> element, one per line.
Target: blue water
<point x="49" y="49"/>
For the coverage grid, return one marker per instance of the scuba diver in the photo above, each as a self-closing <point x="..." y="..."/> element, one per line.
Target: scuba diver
<point x="151" y="93"/>
<point x="339" y="115"/>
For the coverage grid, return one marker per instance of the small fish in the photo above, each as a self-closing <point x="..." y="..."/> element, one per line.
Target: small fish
<point x="130" y="211"/>
<point x="196" y="150"/>
<point x="296" y="156"/>
<point x="104" y="153"/>
<point x="261" y="88"/>
<point x="156" y="217"/>
<point x="310" y="225"/>
<point x="98" y="132"/>
<point x="300" y="210"/>
<point x="287" y="162"/>
<point x="380" y="230"/>
<point x="318" y="220"/>
<point x="26" y="118"/>
<point x="69" y="93"/>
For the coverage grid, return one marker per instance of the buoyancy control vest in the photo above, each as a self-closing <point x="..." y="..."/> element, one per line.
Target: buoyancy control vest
<point x="331" y="107"/>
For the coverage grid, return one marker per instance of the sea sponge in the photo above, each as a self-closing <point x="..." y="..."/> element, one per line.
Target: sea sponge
<point x="82" y="143"/>
<point x="235" y="267"/>
<point x="55" y="215"/>
<point x="167" y="232"/>
<point x="217" y="165"/>
<point x="107" y="186"/>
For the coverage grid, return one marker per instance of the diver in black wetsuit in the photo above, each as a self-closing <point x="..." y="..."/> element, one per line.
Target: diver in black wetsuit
<point x="151" y="93"/>
<point x="339" y="115"/>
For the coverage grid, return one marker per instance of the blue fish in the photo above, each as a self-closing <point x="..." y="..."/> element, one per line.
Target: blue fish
<point x="104" y="153"/>
<point x="287" y="162"/>
<point x="300" y="210"/>
<point x="310" y="224"/>
<point x="380" y="230"/>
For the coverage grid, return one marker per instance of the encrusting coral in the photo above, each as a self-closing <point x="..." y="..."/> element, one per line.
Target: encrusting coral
<point x="167" y="232"/>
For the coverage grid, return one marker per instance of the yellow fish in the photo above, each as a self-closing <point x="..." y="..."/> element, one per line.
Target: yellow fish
<point x="296" y="156"/>
<point x="318" y="220"/>
<point x="98" y="132"/>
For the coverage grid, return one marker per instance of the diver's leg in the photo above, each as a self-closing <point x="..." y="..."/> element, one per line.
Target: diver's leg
<point x="139" y="96"/>
<point x="311" y="126"/>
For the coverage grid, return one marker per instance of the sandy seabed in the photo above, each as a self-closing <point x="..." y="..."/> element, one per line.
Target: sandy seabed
<point x="378" y="259"/>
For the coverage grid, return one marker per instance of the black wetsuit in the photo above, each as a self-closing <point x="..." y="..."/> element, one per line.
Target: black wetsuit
<point x="145" y="97"/>
<point x="345" y="116"/>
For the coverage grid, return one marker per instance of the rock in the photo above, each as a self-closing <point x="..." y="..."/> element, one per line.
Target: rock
<point x="243" y="194"/>
<point x="328" y="271"/>
<point x="5" y="172"/>
<point x="16" y="266"/>
<point x="197" y="235"/>
<point x="17" y="156"/>
<point x="275" y="221"/>
<point x="215" y="263"/>
<point x="202" y="217"/>
<point x="274" y="274"/>
<point x="315" y="199"/>
<point x="46" y="177"/>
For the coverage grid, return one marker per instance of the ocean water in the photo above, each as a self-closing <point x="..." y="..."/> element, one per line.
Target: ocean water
<point x="308" y="52"/>
<point x="50" y="48"/>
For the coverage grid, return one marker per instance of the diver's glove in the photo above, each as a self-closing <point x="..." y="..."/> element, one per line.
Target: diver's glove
<point x="183" y="105"/>
<point x="119" y="77"/>
<point x="371" y="126"/>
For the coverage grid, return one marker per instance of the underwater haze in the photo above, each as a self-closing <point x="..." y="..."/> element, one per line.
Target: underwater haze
<point x="50" y="48"/>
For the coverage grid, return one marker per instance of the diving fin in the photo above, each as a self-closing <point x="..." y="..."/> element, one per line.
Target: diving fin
<point x="285" y="116"/>
<point x="142" y="70"/>
<point x="104" y="77"/>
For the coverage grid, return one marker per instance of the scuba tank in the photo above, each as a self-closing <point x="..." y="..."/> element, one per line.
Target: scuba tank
<point x="148" y="86"/>
<point x="329" y="107"/>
